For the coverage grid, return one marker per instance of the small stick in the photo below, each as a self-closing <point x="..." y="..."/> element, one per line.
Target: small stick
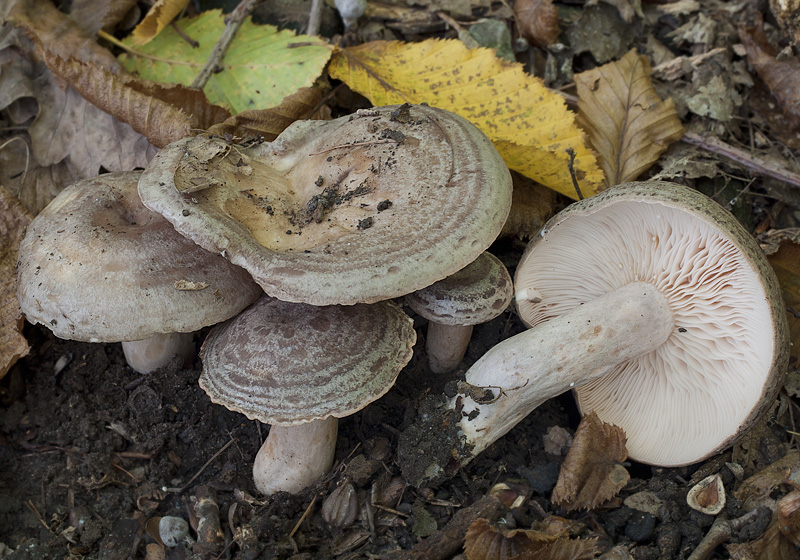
<point x="38" y="516"/>
<point x="721" y="531"/>
<point x="740" y="156"/>
<point x="234" y="21"/>
<point x="314" y="17"/>
<point x="571" y="167"/>
<point x="214" y="456"/>
<point x="182" y="34"/>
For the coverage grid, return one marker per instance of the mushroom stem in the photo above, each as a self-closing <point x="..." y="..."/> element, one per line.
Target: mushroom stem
<point x="527" y="369"/>
<point x="294" y="457"/>
<point x="158" y="350"/>
<point x="446" y="345"/>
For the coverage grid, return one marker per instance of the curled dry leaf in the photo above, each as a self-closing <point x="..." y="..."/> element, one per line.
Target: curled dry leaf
<point x="789" y="516"/>
<point x="782" y="77"/>
<point x="160" y="14"/>
<point x="538" y="21"/>
<point x="592" y="472"/>
<point x="486" y="542"/>
<point x="629" y="126"/>
<point x="13" y="220"/>
<point x="59" y="34"/>
<point x="269" y="123"/>
<point x="786" y="262"/>
<point x="755" y="491"/>
<point x="772" y="545"/>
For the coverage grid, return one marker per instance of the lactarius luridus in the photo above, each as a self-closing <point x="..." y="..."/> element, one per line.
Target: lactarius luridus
<point x="97" y="266"/>
<point x="299" y="368"/>
<point x="655" y="306"/>
<point x="358" y="209"/>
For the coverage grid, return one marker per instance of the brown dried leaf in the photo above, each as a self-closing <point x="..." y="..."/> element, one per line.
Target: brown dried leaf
<point x="160" y="122"/>
<point x="629" y="126"/>
<point x="538" y="21"/>
<point x="786" y="263"/>
<point x="531" y="206"/>
<point x="592" y="472"/>
<point x="772" y="545"/>
<point x="781" y="76"/>
<point x="755" y="491"/>
<point x="269" y="123"/>
<point x="33" y="185"/>
<point x="59" y="34"/>
<point x="486" y="542"/>
<point x="13" y="221"/>
<point x="94" y="15"/>
<point x="564" y="548"/>
<point x="161" y="13"/>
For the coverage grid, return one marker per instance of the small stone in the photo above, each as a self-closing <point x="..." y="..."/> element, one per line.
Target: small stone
<point x="640" y="526"/>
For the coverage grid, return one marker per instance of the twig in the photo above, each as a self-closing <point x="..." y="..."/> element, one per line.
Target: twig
<point x="721" y="531"/>
<point x="740" y="156"/>
<point x="314" y="17"/>
<point x="356" y="145"/>
<point x="182" y="34"/>
<point x="571" y="167"/>
<point x="38" y="516"/>
<point x="214" y="456"/>
<point x="233" y="21"/>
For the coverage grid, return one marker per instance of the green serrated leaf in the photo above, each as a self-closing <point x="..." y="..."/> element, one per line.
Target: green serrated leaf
<point x="262" y="65"/>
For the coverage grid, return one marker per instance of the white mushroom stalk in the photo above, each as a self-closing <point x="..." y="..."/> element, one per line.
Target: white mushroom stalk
<point x="655" y="306"/>
<point x="156" y="351"/>
<point x="294" y="457"/>
<point x="527" y="369"/>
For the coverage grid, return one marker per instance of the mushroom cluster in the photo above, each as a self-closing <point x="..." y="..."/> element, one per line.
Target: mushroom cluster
<point x="655" y="306"/>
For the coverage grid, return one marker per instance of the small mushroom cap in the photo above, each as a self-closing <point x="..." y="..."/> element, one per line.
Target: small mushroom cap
<point x="97" y="266"/>
<point x="290" y="363"/>
<point x="477" y="293"/>
<point x="358" y="209"/>
<point x="724" y="361"/>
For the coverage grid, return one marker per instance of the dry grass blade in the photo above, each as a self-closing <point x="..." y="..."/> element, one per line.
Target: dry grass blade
<point x="592" y="472"/>
<point x="629" y="126"/>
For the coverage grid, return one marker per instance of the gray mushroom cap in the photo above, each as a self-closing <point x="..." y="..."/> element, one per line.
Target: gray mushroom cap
<point x="477" y="293"/>
<point x="292" y="363"/>
<point x="726" y="357"/>
<point x="96" y="265"/>
<point x="358" y="209"/>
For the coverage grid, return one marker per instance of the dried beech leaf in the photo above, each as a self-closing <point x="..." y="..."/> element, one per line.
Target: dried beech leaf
<point x="160" y="122"/>
<point x="786" y="263"/>
<point x="269" y="123"/>
<point x="564" y="548"/>
<point x="781" y="76"/>
<point x="59" y="34"/>
<point x="529" y="124"/>
<point x="629" y="126"/>
<point x="531" y="206"/>
<point x="485" y="542"/>
<point x="755" y="491"/>
<point x="13" y="221"/>
<point x="772" y="545"/>
<point x="592" y="472"/>
<point x="32" y="184"/>
<point x="160" y="14"/>
<point x="94" y="15"/>
<point x="538" y="21"/>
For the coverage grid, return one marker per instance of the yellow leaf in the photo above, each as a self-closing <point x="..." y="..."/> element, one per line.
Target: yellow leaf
<point x="629" y="126"/>
<point x="158" y="17"/>
<point x="529" y="124"/>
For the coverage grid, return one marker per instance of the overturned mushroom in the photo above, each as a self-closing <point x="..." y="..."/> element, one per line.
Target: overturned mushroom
<point x="299" y="368"/>
<point x="656" y="307"/>
<point x="97" y="266"/>
<point x="476" y="294"/>
<point x="358" y="209"/>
